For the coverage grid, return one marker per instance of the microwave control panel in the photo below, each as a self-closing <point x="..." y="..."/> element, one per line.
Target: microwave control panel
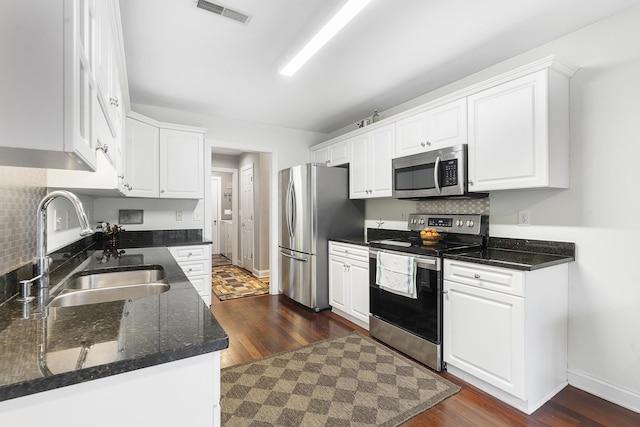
<point x="449" y="173"/>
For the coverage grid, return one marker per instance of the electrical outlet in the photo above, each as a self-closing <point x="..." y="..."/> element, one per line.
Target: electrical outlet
<point x="178" y="215"/>
<point x="524" y="217"/>
<point x="196" y="215"/>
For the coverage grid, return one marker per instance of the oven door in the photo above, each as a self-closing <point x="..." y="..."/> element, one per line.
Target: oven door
<point x="421" y="316"/>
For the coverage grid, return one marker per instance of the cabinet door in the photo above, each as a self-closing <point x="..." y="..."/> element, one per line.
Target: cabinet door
<point x="484" y="335"/>
<point x="411" y="135"/>
<point x="379" y="155"/>
<point x="439" y="127"/>
<point x="339" y="153"/>
<point x="320" y="156"/>
<point x="181" y="164"/>
<point x="337" y="283"/>
<point x="142" y="153"/>
<point x="358" y="167"/>
<point x="508" y="135"/>
<point x="359" y="289"/>
<point x="447" y="125"/>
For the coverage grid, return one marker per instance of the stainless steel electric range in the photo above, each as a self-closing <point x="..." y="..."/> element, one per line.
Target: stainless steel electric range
<point x="413" y="324"/>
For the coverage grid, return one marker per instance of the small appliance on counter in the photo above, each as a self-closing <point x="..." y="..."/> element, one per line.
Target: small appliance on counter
<point x="314" y="207"/>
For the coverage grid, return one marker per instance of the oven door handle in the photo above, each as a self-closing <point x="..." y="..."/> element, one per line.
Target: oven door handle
<point x="425" y="262"/>
<point x="436" y="175"/>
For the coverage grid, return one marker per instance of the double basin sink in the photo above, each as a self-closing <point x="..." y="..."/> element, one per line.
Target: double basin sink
<point x="109" y="284"/>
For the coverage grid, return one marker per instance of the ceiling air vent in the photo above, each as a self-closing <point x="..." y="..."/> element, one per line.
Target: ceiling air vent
<point x="221" y="10"/>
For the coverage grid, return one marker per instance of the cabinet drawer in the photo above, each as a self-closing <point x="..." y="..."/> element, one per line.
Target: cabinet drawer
<point x="350" y="251"/>
<point x="199" y="283"/>
<point x="485" y="276"/>
<point x="195" y="268"/>
<point x="189" y="253"/>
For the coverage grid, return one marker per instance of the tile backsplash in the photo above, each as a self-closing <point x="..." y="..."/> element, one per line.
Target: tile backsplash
<point x="21" y="189"/>
<point x="454" y="206"/>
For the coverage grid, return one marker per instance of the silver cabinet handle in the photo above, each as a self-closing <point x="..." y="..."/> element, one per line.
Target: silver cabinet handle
<point x="445" y="292"/>
<point x="477" y="276"/>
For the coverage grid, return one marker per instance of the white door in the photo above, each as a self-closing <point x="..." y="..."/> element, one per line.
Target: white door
<point x="246" y="220"/>
<point x="216" y="184"/>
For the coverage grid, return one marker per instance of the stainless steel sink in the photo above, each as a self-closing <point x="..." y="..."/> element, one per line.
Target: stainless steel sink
<point x="105" y="285"/>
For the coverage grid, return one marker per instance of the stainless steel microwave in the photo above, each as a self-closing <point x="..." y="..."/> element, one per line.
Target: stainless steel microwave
<point x="438" y="173"/>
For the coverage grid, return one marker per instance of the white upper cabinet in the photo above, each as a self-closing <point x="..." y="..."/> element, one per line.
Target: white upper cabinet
<point x="332" y="155"/>
<point x="181" y="164"/>
<point x="433" y="129"/>
<point x="47" y="84"/>
<point x="516" y="126"/>
<point x="519" y="134"/>
<point x="142" y="152"/>
<point x="370" y="163"/>
<point x="163" y="160"/>
<point x="107" y="71"/>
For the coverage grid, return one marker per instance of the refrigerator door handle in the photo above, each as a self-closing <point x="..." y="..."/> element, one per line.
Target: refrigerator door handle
<point x="288" y="209"/>
<point x="294" y="257"/>
<point x="294" y="206"/>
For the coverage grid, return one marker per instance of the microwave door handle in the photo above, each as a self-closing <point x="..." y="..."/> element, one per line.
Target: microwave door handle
<point x="436" y="175"/>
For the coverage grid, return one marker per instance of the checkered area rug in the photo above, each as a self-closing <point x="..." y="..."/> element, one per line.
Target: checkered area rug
<point x="347" y="381"/>
<point x="230" y="282"/>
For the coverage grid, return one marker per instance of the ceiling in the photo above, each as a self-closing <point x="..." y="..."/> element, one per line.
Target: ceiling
<point x="185" y="58"/>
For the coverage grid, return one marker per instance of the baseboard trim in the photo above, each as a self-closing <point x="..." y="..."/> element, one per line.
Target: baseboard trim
<point x="604" y="389"/>
<point x="260" y="274"/>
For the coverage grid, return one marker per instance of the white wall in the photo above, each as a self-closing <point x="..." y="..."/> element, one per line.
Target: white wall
<point x="61" y="206"/>
<point x="159" y="214"/>
<point x="597" y="212"/>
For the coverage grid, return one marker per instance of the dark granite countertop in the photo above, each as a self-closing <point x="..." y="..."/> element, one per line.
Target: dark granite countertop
<point x="87" y="342"/>
<point x="519" y="254"/>
<point x="359" y="240"/>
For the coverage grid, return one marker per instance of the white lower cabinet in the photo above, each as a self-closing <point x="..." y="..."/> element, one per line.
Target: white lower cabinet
<point x="505" y="331"/>
<point x="349" y="282"/>
<point x="195" y="261"/>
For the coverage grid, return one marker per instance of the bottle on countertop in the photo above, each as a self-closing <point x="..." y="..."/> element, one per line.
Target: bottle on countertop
<point x="375" y="117"/>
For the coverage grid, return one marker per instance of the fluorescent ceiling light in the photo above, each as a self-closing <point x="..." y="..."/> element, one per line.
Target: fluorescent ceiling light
<point x="335" y="24"/>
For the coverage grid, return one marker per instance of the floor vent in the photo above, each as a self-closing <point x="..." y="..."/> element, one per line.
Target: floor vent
<point x="221" y="10"/>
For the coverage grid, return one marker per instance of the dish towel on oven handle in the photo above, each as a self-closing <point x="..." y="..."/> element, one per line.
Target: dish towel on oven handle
<point x="397" y="274"/>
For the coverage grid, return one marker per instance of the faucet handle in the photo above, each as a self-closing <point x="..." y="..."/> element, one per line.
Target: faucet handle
<point x="25" y="291"/>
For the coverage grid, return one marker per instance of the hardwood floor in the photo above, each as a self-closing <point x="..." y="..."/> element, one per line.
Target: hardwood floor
<point x="263" y="325"/>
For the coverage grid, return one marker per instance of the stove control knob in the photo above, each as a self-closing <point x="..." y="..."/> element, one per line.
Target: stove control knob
<point x="470" y="223"/>
<point x="460" y="223"/>
<point x="414" y="221"/>
<point x="421" y="221"/>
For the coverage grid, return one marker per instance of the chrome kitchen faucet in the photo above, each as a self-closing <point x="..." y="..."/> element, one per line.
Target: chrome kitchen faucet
<point x="42" y="261"/>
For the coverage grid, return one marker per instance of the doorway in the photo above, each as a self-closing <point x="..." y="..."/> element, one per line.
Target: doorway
<point x="247" y="217"/>
<point x="216" y="188"/>
<point x="259" y="212"/>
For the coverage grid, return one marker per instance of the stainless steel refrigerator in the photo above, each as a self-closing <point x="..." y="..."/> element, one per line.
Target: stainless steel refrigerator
<point x="314" y="207"/>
